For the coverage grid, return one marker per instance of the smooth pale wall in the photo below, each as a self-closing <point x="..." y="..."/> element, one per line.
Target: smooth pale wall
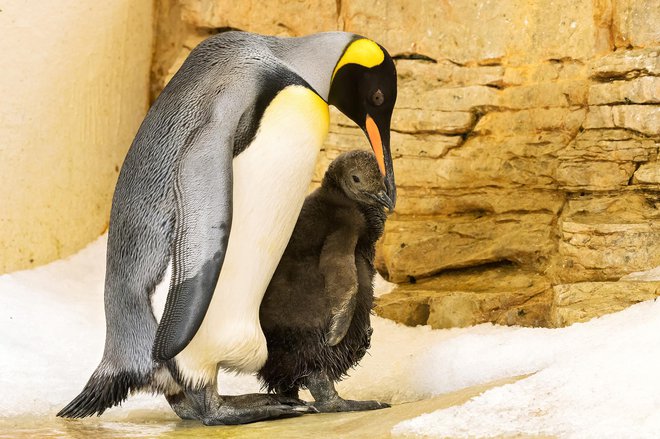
<point x="74" y="82"/>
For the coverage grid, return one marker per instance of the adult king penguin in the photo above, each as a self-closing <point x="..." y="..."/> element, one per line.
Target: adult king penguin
<point x="205" y="203"/>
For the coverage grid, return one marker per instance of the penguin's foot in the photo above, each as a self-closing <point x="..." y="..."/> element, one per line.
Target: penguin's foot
<point x="213" y="409"/>
<point x="229" y="415"/>
<point x="344" y="405"/>
<point x="269" y="399"/>
<point x="182" y="406"/>
<point x="327" y="399"/>
<point x="243" y="409"/>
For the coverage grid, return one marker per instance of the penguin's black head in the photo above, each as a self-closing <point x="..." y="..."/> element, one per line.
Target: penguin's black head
<point x="357" y="175"/>
<point x="364" y="89"/>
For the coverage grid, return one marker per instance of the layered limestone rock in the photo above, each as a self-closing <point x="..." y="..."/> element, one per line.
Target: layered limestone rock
<point x="606" y="236"/>
<point x="502" y="294"/>
<point x="581" y="301"/>
<point x="525" y="146"/>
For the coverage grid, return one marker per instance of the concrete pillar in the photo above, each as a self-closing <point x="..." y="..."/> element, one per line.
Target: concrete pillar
<point x="74" y="84"/>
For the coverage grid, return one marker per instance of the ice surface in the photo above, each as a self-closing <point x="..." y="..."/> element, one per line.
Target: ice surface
<point x="597" y="379"/>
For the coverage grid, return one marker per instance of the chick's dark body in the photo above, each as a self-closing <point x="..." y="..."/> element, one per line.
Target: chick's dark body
<point x="297" y="307"/>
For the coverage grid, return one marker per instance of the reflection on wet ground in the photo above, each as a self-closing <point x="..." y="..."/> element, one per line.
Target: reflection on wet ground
<point x="159" y="424"/>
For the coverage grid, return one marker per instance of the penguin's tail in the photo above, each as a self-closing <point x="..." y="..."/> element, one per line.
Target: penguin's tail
<point x="101" y="392"/>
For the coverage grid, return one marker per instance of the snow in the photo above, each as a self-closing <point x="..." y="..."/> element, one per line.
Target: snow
<point x="597" y="379"/>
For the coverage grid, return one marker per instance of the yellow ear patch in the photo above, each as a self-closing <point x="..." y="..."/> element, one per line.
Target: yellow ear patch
<point x="363" y="52"/>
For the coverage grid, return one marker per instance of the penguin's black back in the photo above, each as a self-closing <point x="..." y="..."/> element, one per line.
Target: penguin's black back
<point x="296" y="310"/>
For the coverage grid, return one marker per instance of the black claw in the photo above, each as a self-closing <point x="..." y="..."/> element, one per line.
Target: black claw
<point x="343" y="405"/>
<point x="307" y="408"/>
<point x="287" y="412"/>
<point x="287" y="400"/>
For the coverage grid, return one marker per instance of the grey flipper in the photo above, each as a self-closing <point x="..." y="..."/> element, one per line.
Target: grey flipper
<point x="337" y="263"/>
<point x="202" y="191"/>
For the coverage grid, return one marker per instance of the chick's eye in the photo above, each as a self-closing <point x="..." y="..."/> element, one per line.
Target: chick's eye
<point x="356" y="178"/>
<point x="377" y="98"/>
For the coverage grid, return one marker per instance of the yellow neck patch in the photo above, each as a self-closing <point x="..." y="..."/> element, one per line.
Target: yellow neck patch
<point x="363" y="52"/>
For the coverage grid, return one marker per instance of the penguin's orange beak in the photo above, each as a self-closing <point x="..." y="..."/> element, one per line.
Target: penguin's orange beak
<point x="381" y="146"/>
<point x="376" y="143"/>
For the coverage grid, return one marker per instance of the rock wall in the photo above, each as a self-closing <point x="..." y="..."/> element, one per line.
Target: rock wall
<point x="525" y="143"/>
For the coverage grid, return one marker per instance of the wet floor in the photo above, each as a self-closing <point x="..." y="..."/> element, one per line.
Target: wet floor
<point x="157" y="424"/>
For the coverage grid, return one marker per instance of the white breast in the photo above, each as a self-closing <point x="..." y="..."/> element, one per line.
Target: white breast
<point x="270" y="182"/>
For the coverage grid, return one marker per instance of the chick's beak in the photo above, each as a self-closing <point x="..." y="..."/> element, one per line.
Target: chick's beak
<point x="384" y="200"/>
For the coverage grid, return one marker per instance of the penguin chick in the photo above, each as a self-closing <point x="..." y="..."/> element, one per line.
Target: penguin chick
<point x="315" y="312"/>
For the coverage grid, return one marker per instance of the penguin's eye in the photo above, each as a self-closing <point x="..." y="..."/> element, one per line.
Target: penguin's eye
<point x="356" y="178"/>
<point x="377" y="98"/>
